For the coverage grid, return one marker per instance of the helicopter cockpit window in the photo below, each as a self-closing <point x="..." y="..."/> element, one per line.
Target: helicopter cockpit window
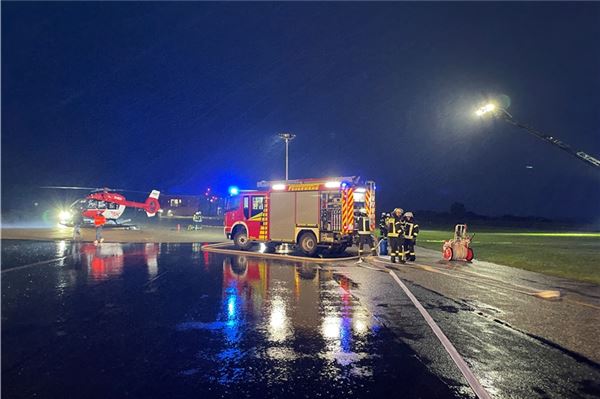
<point x="92" y="204"/>
<point x="101" y="205"/>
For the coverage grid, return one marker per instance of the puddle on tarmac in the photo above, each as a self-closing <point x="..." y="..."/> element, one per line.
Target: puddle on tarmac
<point x="286" y="315"/>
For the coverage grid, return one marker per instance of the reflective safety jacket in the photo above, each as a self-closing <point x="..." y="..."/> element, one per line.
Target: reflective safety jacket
<point x="394" y="226"/>
<point x="363" y="225"/>
<point x="411" y="229"/>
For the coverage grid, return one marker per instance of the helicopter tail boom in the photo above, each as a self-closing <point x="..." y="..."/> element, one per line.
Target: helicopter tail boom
<point x="151" y="205"/>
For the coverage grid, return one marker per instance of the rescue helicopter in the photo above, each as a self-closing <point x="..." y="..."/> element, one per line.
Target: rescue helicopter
<point x="108" y="202"/>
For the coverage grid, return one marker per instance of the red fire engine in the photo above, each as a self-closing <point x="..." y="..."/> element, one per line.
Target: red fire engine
<point x="310" y="213"/>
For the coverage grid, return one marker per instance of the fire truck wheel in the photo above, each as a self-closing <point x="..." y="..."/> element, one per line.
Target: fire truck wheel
<point x="308" y="243"/>
<point x="470" y="254"/>
<point x="447" y="253"/>
<point x="240" y="239"/>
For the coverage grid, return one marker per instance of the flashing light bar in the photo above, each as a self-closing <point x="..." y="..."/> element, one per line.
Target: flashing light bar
<point x="278" y="187"/>
<point x="360" y="190"/>
<point x="332" y="184"/>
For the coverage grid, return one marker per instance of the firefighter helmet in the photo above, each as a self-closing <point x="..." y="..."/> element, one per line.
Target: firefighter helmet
<point x="409" y="214"/>
<point x="399" y="210"/>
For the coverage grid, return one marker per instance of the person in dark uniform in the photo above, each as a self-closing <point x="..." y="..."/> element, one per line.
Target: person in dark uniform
<point x="411" y="231"/>
<point x="383" y="224"/>
<point x="394" y="227"/>
<point x="383" y="250"/>
<point x="77" y="222"/>
<point x="364" y="233"/>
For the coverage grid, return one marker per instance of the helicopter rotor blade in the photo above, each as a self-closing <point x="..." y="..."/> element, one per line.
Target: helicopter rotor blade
<point x="95" y="189"/>
<point x="69" y="188"/>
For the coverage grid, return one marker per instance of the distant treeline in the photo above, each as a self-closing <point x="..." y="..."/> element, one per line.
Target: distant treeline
<point x="459" y="215"/>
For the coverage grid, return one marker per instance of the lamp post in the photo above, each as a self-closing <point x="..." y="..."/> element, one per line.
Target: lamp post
<point x="498" y="112"/>
<point x="287" y="137"/>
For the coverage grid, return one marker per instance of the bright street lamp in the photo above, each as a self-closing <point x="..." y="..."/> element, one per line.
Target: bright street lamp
<point x="485" y="109"/>
<point x="287" y="137"/>
<point x="491" y="109"/>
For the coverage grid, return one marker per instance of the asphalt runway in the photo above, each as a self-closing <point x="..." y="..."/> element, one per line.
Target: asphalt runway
<point x="170" y="320"/>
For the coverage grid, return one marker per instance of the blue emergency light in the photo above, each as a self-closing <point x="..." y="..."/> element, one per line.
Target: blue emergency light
<point x="233" y="190"/>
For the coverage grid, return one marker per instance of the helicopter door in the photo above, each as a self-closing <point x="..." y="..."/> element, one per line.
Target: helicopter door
<point x="112" y="210"/>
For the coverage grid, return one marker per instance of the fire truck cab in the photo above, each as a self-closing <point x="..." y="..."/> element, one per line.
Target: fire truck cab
<point x="311" y="214"/>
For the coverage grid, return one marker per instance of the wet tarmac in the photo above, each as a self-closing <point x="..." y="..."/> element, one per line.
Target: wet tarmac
<point x="151" y="320"/>
<point x="168" y="320"/>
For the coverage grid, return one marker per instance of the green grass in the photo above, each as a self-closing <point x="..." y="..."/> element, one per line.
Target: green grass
<point x="573" y="255"/>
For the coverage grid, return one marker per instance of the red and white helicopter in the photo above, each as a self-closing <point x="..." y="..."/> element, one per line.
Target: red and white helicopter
<point x="107" y="202"/>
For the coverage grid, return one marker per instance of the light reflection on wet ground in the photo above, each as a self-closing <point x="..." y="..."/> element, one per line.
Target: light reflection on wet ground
<point x="170" y="320"/>
<point x="287" y="307"/>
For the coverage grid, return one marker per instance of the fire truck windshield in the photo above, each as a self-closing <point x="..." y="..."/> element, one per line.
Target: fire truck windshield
<point x="233" y="203"/>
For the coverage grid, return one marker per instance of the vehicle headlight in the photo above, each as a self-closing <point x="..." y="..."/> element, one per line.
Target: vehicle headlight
<point x="64" y="215"/>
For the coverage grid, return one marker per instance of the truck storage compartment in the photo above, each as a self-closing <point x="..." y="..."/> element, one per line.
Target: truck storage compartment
<point x="307" y="208"/>
<point x="281" y="220"/>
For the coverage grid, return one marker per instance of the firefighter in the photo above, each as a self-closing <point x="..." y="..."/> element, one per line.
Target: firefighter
<point x="394" y="228"/>
<point x="411" y="231"/>
<point x="197" y="221"/>
<point x="383" y="244"/>
<point x="99" y="221"/>
<point x="364" y="234"/>
<point x="383" y="224"/>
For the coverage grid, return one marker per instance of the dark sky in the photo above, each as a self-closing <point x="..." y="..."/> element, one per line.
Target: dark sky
<point x="178" y="96"/>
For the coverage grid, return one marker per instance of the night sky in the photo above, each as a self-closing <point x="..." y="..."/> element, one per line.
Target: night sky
<point x="180" y="96"/>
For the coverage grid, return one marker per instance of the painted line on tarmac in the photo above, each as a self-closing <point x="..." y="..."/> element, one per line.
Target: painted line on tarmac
<point x="543" y="294"/>
<point x="217" y="248"/>
<point x="456" y="357"/>
<point x="43" y="262"/>
<point x="531" y="290"/>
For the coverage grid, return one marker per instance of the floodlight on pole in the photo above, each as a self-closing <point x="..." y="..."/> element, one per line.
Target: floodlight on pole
<point x="485" y="109"/>
<point x="287" y="137"/>
<point x="491" y="109"/>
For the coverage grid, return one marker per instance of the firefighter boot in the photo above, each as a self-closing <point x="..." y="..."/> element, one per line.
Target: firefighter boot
<point x="393" y="258"/>
<point x="401" y="257"/>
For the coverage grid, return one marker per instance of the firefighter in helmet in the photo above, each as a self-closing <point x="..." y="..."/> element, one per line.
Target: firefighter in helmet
<point x="364" y="233"/>
<point x="411" y="231"/>
<point x="394" y="227"/>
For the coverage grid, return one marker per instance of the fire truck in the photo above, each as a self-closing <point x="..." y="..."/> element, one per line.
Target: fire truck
<point x="310" y="214"/>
